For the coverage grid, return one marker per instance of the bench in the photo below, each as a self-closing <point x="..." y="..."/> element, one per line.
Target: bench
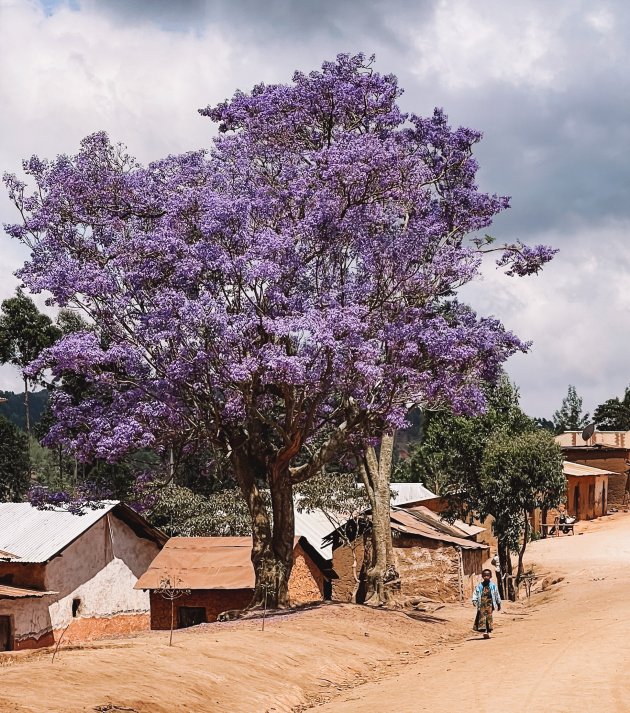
<point x="564" y="527"/>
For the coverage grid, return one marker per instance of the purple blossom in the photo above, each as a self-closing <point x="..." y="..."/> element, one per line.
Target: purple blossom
<point x="252" y="296"/>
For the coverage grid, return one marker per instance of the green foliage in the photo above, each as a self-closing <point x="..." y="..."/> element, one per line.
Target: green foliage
<point x="13" y="409"/>
<point x="179" y="511"/>
<point x="546" y="424"/>
<point x="519" y="472"/>
<point x="570" y="417"/>
<point x="338" y="495"/>
<point x="24" y="331"/>
<point x="14" y="474"/>
<point x="448" y="460"/>
<point x="614" y="414"/>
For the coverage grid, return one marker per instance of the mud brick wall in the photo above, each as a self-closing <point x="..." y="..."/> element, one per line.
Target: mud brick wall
<point x="23" y="575"/>
<point x="306" y="583"/>
<point x="343" y="587"/>
<point x="606" y="459"/>
<point x="430" y="570"/>
<point x="427" y="568"/>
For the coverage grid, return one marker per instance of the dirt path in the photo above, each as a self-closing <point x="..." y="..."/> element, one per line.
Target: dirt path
<point x="570" y="651"/>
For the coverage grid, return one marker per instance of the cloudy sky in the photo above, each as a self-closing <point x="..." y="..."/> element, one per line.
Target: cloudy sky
<point x="547" y="83"/>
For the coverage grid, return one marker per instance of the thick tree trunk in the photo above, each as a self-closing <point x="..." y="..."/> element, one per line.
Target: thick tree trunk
<point x="283" y="540"/>
<point x="272" y="546"/>
<point x="382" y="579"/>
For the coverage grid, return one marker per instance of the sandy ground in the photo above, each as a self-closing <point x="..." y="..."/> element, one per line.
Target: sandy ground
<point x="567" y="649"/>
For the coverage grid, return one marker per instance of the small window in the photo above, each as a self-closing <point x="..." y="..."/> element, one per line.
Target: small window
<point x="76" y="605"/>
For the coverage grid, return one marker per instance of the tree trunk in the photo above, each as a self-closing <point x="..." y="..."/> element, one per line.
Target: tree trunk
<point x="27" y="423"/>
<point x="519" y="569"/>
<point x="283" y="540"/>
<point x="505" y="561"/>
<point x="382" y="578"/>
<point x="272" y="548"/>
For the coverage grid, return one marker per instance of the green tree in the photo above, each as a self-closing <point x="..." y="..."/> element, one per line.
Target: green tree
<point x="448" y="459"/>
<point x="24" y="333"/>
<point x="614" y="414"/>
<point x="519" y="473"/>
<point x="456" y="459"/>
<point x="14" y="471"/>
<point x="569" y="416"/>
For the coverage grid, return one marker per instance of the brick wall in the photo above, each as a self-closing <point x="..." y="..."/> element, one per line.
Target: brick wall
<point x="214" y="601"/>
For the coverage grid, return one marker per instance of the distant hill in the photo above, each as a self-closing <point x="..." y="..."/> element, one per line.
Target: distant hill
<point x="14" y="408"/>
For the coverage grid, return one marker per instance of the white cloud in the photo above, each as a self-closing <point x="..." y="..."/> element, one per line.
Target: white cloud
<point x="469" y="44"/>
<point x="575" y="312"/>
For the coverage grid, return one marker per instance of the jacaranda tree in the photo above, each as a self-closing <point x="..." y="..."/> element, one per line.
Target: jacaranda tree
<point x="283" y="297"/>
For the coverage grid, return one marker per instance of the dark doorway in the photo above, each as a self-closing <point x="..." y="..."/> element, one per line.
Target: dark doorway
<point x="6" y="640"/>
<point x="604" y="503"/>
<point x="576" y="501"/>
<point x="190" y="616"/>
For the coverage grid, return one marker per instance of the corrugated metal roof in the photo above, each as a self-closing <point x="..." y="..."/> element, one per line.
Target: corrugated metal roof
<point x="7" y="592"/>
<point x="34" y="535"/>
<point x="407" y="523"/>
<point x="458" y="528"/>
<point x="577" y="469"/>
<point x="410" y="493"/>
<point x="315" y="526"/>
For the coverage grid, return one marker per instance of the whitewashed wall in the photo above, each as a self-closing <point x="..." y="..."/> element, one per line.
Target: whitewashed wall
<point x="100" y="568"/>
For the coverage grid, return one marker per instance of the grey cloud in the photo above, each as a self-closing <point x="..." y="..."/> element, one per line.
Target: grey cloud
<point x="289" y="20"/>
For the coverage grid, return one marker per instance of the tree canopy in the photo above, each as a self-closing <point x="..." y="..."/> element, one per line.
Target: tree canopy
<point x="14" y="470"/>
<point x="569" y="416"/>
<point x="282" y="297"/>
<point x="614" y="414"/>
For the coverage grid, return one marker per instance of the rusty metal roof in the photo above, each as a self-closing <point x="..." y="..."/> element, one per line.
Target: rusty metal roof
<point x="208" y="563"/>
<point x="579" y="470"/>
<point x="7" y="592"/>
<point x="407" y="523"/>
<point x="28" y="534"/>
<point x="457" y="528"/>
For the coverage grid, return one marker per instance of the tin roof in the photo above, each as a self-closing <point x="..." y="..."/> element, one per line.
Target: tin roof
<point x="410" y="493"/>
<point x="577" y="469"/>
<point x="458" y="528"/>
<point x="207" y="563"/>
<point x="34" y="535"/>
<point x="7" y="592"/>
<point x="407" y="523"/>
<point x="315" y="526"/>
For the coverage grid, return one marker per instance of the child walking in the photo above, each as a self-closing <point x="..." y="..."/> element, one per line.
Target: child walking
<point x="486" y="598"/>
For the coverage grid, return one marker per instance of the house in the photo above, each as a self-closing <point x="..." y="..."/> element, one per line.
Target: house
<point x="216" y="574"/>
<point x="72" y="575"/>
<point x="434" y="559"/>
<point x="316" y="525"/>
<point x="587" y="490"/>
<point x="606" y="450"/>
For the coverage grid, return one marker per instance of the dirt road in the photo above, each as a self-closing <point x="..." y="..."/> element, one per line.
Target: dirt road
<point x="569" y="652"/>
